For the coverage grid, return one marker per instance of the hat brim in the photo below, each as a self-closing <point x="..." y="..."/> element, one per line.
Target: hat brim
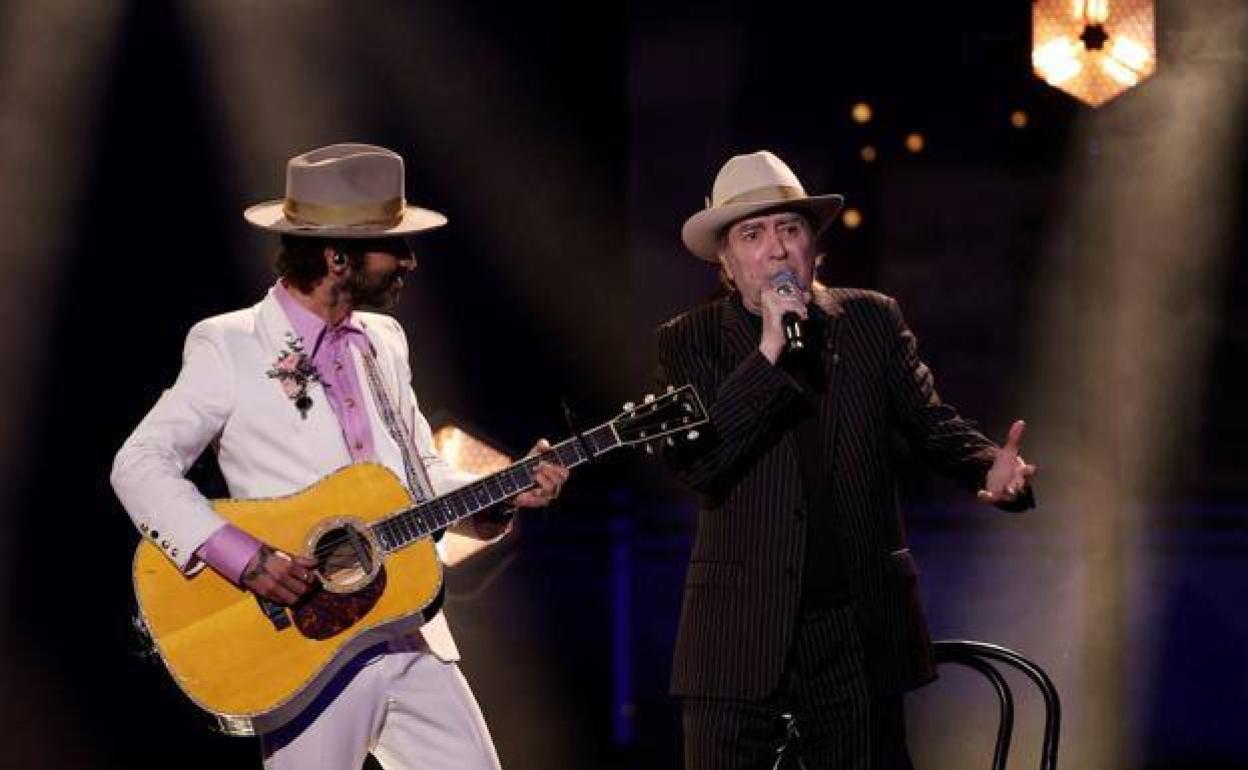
<point x="701" y="231"/>
<point x="271" y="216"/>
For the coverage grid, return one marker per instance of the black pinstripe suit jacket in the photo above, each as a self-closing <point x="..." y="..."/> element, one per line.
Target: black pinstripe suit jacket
<point x="743" y="585"/>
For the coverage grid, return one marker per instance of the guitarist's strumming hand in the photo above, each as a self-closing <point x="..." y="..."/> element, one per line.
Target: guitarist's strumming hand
<point x="278" y="576"/>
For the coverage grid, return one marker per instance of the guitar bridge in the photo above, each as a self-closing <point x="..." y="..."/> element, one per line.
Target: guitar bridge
<point x="275" y="612"/>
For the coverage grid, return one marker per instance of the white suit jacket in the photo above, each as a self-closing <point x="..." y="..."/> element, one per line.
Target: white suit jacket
<point x="265" y="448"/>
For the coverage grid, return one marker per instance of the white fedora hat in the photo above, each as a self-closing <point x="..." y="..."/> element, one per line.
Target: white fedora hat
<point x="746" y="185"/>
<point x="344" y="191"/>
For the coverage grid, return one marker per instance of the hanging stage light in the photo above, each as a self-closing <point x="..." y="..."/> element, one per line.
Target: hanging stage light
<point x="1093" y="49"/>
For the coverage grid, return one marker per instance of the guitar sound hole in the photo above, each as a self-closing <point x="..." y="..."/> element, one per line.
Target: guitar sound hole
<point x="347" y="558"/>
<point x="351" y="574"/>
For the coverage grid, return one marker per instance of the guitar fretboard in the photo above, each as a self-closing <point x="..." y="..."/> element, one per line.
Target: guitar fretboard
<point x="414" y="523"/>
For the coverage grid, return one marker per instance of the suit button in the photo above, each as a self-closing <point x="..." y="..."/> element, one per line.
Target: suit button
<point x="164" y="543"/>
<point x="836" y="358"/>
<point x="155" y="535"/>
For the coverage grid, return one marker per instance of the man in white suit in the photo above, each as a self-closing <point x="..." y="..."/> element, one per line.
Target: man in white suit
<point x="287" y="392"/>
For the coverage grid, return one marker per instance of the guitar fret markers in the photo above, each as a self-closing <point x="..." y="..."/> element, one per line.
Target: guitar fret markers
<point x="414" y="523"/>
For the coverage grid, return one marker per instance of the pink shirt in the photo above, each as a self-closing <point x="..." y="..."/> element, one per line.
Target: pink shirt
<point x="329" y="349"/>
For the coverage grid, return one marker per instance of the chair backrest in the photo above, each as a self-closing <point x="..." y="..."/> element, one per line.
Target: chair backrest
<point x="980" y="656"/>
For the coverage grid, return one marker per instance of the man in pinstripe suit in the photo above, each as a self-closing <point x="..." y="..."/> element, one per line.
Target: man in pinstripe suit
<point x="800" y="594"/>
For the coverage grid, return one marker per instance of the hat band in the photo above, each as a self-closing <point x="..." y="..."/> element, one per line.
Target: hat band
<point x="767" y="194"/>
<point x="383" y="214"/>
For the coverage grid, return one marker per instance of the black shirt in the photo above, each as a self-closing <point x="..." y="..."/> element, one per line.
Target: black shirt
<point x="823" y="573"/>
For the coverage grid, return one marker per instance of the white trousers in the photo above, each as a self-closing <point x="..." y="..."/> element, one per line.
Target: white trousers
<point x="411" y="710"/>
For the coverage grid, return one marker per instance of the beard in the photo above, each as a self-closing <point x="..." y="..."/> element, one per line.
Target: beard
<point x="380" y="292"/>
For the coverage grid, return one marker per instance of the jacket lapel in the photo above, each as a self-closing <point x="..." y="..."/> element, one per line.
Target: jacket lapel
<point x="273" y="332"/>
<point x="828" y="304"/>
<point x="272" y="325"/>
<point x="739" y="338"/>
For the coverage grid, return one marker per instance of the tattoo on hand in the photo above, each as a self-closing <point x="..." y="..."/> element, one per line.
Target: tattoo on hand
<point x="255" y="568"/>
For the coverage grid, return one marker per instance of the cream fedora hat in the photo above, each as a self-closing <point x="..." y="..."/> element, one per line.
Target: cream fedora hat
<point x="344" y="191"/>
<point x="746" y="185"/>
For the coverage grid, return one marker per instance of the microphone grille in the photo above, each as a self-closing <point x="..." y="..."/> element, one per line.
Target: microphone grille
<point x="784" y="278"/>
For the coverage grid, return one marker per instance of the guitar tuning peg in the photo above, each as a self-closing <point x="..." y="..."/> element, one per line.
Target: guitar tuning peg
<point x="649" y="448"/>
<point x="649" y="398"/>
<point x="692" y="435"/>
<point x="629" y="406"/>
<point x="670" y="441"/>
<point x="671" y="388"/>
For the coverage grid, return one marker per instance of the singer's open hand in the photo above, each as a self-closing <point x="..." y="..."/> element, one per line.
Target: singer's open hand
<point x="774" y="305"/>
<point x="1010" y="473"/>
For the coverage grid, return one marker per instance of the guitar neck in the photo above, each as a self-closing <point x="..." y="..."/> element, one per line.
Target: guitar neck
<point x="405" y="527"/>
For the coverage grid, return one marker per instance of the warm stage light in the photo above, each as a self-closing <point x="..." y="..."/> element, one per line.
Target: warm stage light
<point x="852" y="218"/>
<point x="1093" y="11"/>
<point x="1018" y="119"/>
<point x="1093" y="49"/>
<point x="861" y="112"/>
<point x="1122" y="74"/>
<point x="868" y="153"/>
<point x="915" y="142"/>
<point x="1057" y="61"/>
<point x="466" y="452"/>
<point x="1130" y="54"/>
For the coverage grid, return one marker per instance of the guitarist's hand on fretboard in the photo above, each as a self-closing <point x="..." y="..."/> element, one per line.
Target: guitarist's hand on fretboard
<point x="278" y="576"/>
<point x="548" y="475"/>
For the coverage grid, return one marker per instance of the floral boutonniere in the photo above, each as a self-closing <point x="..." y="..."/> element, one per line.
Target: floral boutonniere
<point x="293" y="369"/>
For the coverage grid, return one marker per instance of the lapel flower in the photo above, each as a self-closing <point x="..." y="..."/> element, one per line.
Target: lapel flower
<point x="294" y="371"/>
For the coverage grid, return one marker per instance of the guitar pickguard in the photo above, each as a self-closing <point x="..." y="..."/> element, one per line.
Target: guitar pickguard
<point x="326" y="614"/>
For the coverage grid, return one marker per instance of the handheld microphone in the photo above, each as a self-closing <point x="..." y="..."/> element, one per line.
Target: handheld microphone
<point x="785" y="284"/>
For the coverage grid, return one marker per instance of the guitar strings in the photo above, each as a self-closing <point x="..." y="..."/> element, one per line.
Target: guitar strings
<point x="421" y="518"/>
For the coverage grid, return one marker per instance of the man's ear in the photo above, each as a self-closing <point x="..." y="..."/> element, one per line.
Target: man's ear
<point x="336" y="262"/>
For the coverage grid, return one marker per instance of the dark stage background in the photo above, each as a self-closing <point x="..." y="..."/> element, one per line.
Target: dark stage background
<point x="1085" y="272"/>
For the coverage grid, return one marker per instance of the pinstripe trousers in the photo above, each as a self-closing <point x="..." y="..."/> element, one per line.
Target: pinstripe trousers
<point x="841" y="725"/>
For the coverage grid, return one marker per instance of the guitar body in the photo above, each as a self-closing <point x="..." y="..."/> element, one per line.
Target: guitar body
<point x="256" y="664"/>
<point x="233" y="659"/>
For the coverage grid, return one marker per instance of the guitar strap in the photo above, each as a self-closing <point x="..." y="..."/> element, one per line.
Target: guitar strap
<point x="417" y="478"/>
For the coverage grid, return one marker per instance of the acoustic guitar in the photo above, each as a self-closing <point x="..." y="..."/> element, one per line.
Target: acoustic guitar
<point x="253" y="663"/>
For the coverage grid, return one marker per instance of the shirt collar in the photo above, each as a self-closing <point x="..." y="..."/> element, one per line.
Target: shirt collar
<point x="311" y="328"/>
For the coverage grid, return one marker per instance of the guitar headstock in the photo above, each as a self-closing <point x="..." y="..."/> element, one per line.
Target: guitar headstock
<point x="670" y="417"/>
